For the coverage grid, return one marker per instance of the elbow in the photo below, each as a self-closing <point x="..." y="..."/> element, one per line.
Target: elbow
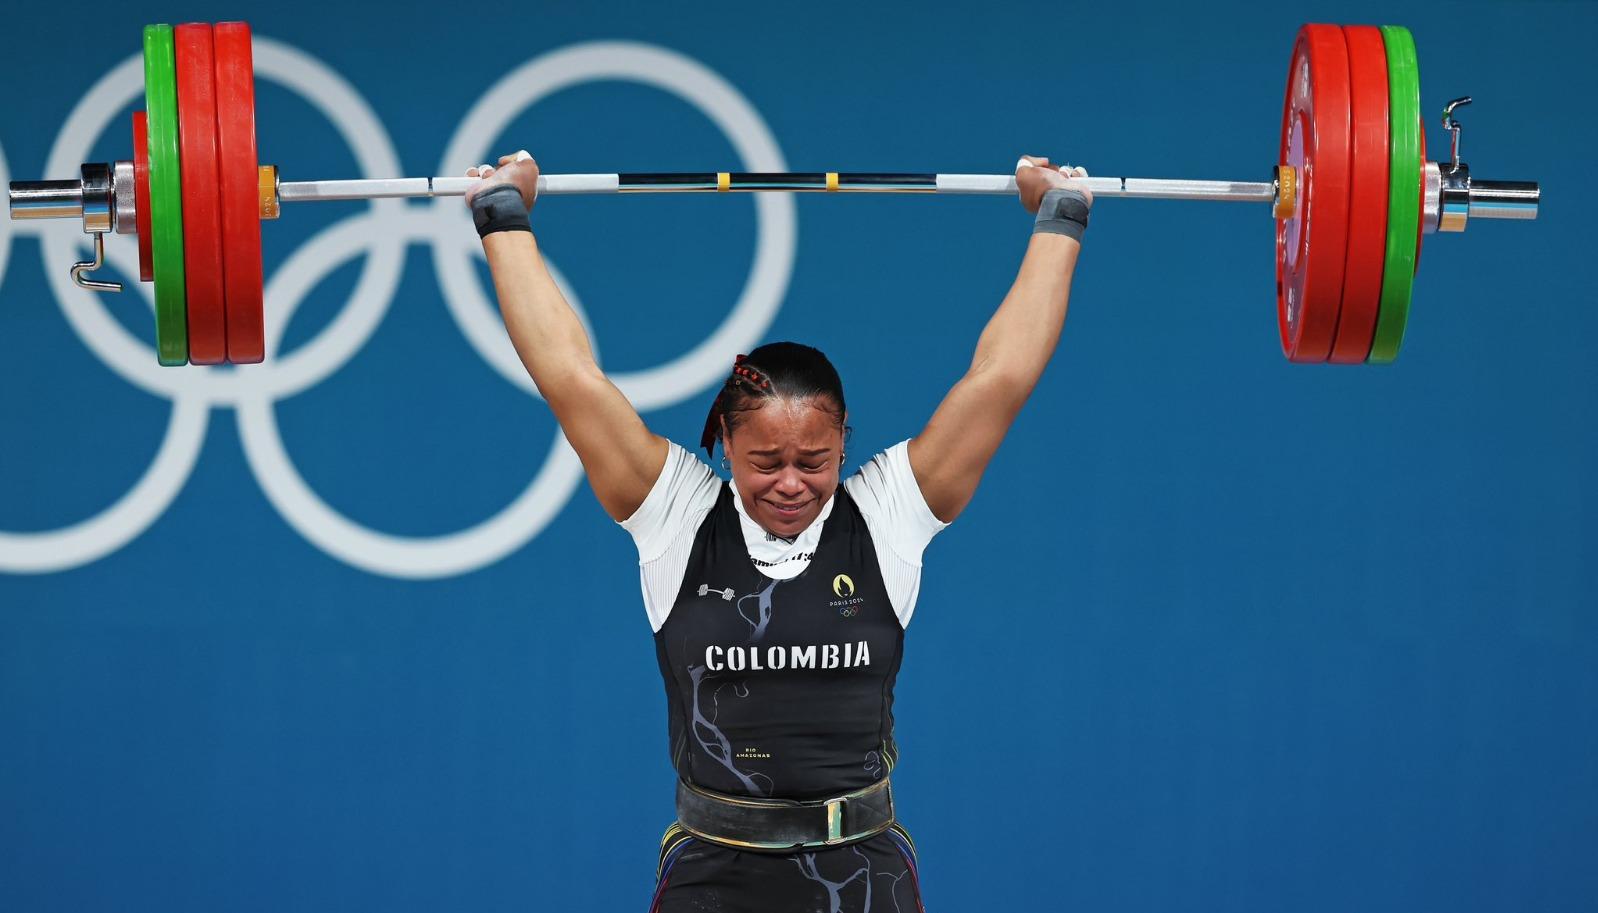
<point x="1013" y="360"/>
<point x="1004" y="381"/>
<point x="568" y="381"/>
<point x="1004" y="386"/>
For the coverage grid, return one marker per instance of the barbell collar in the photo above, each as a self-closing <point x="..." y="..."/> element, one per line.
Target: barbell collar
<point x="96" y="197"/>
<point x="1431" y="197"/>
<point x="124" y="209"/>
<point x="1454" y="213"/>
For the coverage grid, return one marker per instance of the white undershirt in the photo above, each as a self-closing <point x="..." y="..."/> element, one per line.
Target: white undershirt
<point x="884" y="489"/>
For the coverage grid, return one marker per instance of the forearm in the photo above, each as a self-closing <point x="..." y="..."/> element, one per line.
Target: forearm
<point x="950" y="454"/>
<point x="620" y="455"/>
<point x="1020" y="337"/>
<point x="542" y="325"/>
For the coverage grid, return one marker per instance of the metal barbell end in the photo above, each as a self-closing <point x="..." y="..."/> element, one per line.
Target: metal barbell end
<point x="1459" y="198"/>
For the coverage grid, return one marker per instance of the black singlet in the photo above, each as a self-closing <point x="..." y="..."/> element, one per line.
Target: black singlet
<point x="783" y="689"/>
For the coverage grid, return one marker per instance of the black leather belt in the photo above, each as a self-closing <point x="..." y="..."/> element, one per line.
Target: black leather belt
<point x="777" y="825"/>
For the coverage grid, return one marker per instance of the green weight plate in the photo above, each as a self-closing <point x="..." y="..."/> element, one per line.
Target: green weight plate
<point x="166" y="196"/>
<point x="1403" y="201"/>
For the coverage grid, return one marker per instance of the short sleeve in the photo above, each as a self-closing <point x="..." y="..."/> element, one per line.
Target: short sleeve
<point x="900" y="521"/>
<point x="886" y="490"/>
<point x="663" y="527"/>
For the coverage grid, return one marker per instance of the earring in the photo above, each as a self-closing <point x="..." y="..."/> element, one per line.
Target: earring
<point x="725" y="465"/>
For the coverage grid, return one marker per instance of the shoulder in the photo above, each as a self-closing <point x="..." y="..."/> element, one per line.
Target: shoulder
<point x="685" y="491"/>
<point x="885" y="491"/>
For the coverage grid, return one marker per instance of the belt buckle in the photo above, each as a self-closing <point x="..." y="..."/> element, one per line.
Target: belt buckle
<point x="834" y="821"/>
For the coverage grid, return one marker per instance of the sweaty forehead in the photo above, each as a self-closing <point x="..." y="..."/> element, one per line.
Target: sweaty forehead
<point x="787" y="422"/>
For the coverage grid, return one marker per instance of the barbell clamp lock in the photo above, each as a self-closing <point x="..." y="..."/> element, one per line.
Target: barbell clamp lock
<point x="99" y="208"/>
<point x="1453" y="126"/>
<point x="83" y="267"/>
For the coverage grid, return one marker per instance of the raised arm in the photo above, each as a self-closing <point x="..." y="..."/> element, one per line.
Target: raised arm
<point x="621" y="456"/>
<point x="951" y="453"/>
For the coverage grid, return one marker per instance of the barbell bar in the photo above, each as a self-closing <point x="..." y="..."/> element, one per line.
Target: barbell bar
<point x="1350" y="187"/>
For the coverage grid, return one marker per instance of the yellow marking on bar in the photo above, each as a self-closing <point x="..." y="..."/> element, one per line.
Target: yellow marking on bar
<point x="832" y="181"/>
<point x="723" y="182"/>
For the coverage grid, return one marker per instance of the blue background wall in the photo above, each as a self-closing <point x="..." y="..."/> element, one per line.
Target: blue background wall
<point x="1218" y="633"/>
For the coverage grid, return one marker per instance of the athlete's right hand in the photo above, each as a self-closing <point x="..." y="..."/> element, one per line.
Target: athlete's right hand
<point x="519" y="170"/>
<point x="1035" y="176"/>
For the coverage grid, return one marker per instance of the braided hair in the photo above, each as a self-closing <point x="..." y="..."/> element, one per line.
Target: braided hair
<point x="777" y="369"/>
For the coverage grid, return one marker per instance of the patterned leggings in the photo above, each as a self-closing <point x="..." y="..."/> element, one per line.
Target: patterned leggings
<point x="876" y="875"/>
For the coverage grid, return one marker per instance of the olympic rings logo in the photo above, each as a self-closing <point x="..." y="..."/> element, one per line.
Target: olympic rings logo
<point x="382" y="233"/>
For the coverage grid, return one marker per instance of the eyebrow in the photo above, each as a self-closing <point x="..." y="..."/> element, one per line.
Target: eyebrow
<point x="775" y="452"/>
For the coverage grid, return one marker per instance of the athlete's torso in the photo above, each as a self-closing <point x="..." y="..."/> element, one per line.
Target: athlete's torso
<point x="781" y="688"/>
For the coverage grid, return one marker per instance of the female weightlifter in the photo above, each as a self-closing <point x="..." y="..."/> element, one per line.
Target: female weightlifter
<point x="779" y="599"/>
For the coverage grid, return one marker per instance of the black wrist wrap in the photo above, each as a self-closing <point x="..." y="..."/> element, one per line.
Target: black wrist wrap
<point x="499" y="209"/>
<point x="1064" y="211"/>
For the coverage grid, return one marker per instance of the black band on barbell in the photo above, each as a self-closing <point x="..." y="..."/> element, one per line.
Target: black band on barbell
<point x="1064" y="211"/>
<point x="499" y="209"/>
<point x="760" y="180"/>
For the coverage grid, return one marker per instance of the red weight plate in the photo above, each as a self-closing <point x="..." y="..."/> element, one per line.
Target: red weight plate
<point x="1368" y="191"/>
<point x="241" y="205"/>
<point x="202" y="209"/>
<point x="141" y="192"/>
<point x="1310" y="246"/>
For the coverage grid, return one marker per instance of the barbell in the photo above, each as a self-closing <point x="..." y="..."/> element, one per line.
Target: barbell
<point x="1352" y="193"/>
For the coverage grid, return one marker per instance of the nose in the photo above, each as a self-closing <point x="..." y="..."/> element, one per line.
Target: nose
<point x="790" y="483"/>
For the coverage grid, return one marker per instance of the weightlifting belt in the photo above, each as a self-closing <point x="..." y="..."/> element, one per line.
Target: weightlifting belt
<point x="777" y="825"/>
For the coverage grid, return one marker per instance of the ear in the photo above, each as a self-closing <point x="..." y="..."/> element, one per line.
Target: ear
<point x="726" y="435"/>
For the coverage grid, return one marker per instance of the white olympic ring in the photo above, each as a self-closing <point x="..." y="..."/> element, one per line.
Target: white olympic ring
<point x="383" y="231"/>
<point x="650" y="388"/>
